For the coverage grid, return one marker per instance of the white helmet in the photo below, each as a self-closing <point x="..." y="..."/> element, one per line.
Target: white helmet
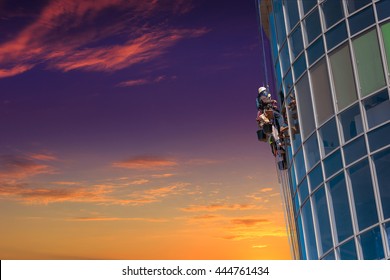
<point x="261" y="89"/>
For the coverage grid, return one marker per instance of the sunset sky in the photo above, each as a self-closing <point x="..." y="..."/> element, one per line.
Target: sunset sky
<point x="128" y="132"/>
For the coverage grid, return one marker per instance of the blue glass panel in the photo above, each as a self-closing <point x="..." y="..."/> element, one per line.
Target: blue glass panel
<point x="363" y="194"/>
<point x="354" y="5"/>
<point x="273" y="37"/>
<point x="379" y="137"/>
<point x="288" y="82"/>
<point x="302" y="246"/>
<point x="382" y="163"/>
<point x="321" y="209"/>
<point x="361" y="20"/>
<point x="299" y="66"/>
<point x="341" y="209"/>
<point x="383" y="9"/>
<point x="296" y="204"/>
<point x="371" y="243"/>
<point x="279" y="19"/>
<point x="278" y="73"/>
<point x="293" y="181"/>
<point x="309" y="231"/>
<point x="315" y="177"/>
<point x="292" y="12"/>
<point x="377" y="108"/>
<point x="329" y="137"/>
<point x="351" y="122"/>
<point x="303" y="190"/>
<point x="296" y="42"/>
<point x="348" y="250"/>
<point x="312" y="151"/>
<point x="332" y="164"/>
<point x="285" y="58"/>
<point x="300" y="165"/>
<point x="333" y="11"/>
<point x="336" y="35"/>
<point x="313" y="26"/>
<point x="316" y="50"/>
<point x="387" y="227"/>
<point x="308" y="5"/>
<point x="329" y="257"/>
<point x="355" y="150"/>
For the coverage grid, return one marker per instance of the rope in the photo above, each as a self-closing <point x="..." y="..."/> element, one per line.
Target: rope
<point x="262" y="42"/>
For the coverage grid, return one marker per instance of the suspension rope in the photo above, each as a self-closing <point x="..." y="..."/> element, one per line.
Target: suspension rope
<point x="261" y="30"/>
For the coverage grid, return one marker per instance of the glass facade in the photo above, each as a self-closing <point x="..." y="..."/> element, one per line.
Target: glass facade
<point x="331" y="63"/>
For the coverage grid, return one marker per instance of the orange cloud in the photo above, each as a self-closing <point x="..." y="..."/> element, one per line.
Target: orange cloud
<point x="43" y="157"/>
<point x="111" y="219"/>
<point x="14" y="167"/>
<point x="218" y="207"/>
<point x="166" y="175"/>
<point x="145" y="162"/>
<point x="249" y="222"/>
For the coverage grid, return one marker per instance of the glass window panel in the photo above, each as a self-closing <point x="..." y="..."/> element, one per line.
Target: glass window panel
<point x="321" y="91"/>
<point x="305" y="106"/>
<point x="308" y="5"/>
<point x="341" y="209"/>
<point x="348" y="250"/>
<point x="383" y="9"/>
<point x="386" y="39"/>
<point x="321" y="209"/>
<point x="377" y="108"/>
<point x="299" y="66"/>
<point x="279" y="19"/>
<point x="296" y="42"/>
<point x="369" y="63"/>
<point x="329" y="137"/>
<point x="315" y="177"/>
<point x="332" y="164"/>
<point x="388" y="234"/>
<point x="303" y="190"/>
<point x="292" y="178"/>
<point x="355" y="150"/>
<point x="309" y="231"/>
<point x="274" y="47"/>
<point x="363" y="194"/>
<point x="313" y="26"/>
<point x="329" y="257"/>
<point x="300" y="166"/>
<point x="296" y="204"/>
<point x="312" y="151"/>
<point x="302" y="246"/>
<point x="361" y="20"/>
<point x="294" y="121"/>
<point x="333" y="11"/>
<point x="343" y="78"/>
<point x="336" y="35"/>
<point x="382" y="163"/>
<point x="316" y="50"/>
<point x="371" y="243"/>
<point x="354" y="5"/>
<point x="292" y="12"/>
<point x="278" y="73"/>
<point x="285" y="58"/>
<point x="379" y="137"/>
<point x="352" y="122"/>
<point x="288" y="81"/>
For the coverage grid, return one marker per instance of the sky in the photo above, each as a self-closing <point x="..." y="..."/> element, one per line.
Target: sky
<point x="128" y="132"/>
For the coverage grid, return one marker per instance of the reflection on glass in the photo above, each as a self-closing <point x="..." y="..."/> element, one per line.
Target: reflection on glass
<point x="299" y="66"/>
<point x="351" y="122"/>
<point x="308" y="5"/>
<point x="369" y="63"/>
<point x="361" y="20"/>
<point x="343" y="78"/>
<point x="309" y="231"/>
<point x="383" y="9"/>
<point x="296" y="42"/>
<point x="339" y="198"/>
<point x="285" y="58"/>
<point x="305" y="106"/>
<point x="332" y="164"/>
<point x="303" y="191"/>
<point x="329" y="257"/>
<point x="300" y="165"/>
<point x="379" y="137"/>
<point x="312" y="151"/>
<point x="293" y="181"/>
<point x="315" y="177"/>
<point x="292" y="12"/>
<point x="354" y="5"/>
<point x="313" y="26"/>
<point x="386" y="38"/>
<point x="274" y="47"/>
<point x="387" y="227"/>
<point x="333" y="11"/>
<point x="321" y="91"/>
<point x="316" y="50"/>
<point x="321" y="209"/>
<point x="363" y="194"/>
<point x="382" y="161"/>
<point x="377" y="108"/>
<point x="278" y="73"/>
<point x="288" y="82"/>
<point x="279" y="19"/>
<point x="348" y="250"/>
<point x="292" y="112"/>
<point x="329" y="137"/>
<point x="296" y="204"/>
<point x="371" y="243"/>
<point x="301" y="238"/>
<point x="355" y="150"/>
<point x="336" y="35"/>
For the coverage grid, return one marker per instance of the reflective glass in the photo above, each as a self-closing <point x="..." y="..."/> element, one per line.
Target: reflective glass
<point x="343" y="78"/>
<point x="341" y="209"/>
<point x="309" y="231"/>
<point x="369" y="63"/>
<point x="313" y="26"/>
<point x="386" y="39"/>
<point x="274" y="47"/>
<point x="383" y="9"/>
<point x="336" y="35"/>
<point x="321" y="91"/>
<point x="361" y="20"/>
<point x="329" y="137"/>
<point x="382" y="162"/>
<point x="332" y="164"/>
<point x="300" y="165"/>
<point x="377" y="108"/>
<point x="288" y="82"/>
<point x="305" y="106"/>
<point x="363" y="194"/>
<point x="301" y="239"/>
<point x="316" y="50"/>
<point x="355" y="150"/>
<point x="294" y="121"/>
<point x="379" y="137"/>
<point x="387" y="225"/>
<point x="285" y="58"/>
<point x="321" y="209"/>
<point x="371" y="243"/>
<point x="303" y="190"/>
<point x="292" y="178"/>
<point x="312" y="151"/>
<point x="348" y="250"/>
<point x="351" y="122"/>
<point x="299" y="66"/>
<point x="308" y="5"/>
<point x="292" y="12"/>
<point x="354" y="5"/>
<point x="296" y="42"/>
<point x="330" y="256"/>
<point x="315" y="177"/>
<point x="296" y="204"/>
<point x="279" y="19"/>
<point x="333" y="11"/>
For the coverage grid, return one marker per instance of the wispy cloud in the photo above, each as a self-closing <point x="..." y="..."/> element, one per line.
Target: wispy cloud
<point x="219" y="207"/>
<point x="140" y="82"/>
<point x="15" y="167"/>
<point x="249" y="221"/>
<point x="166" y="175"/>
<point x="146" y="163"/>
<point x="114" y="219"/>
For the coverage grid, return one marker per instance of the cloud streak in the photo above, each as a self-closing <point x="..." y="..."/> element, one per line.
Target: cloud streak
<point x="146" y="163"/>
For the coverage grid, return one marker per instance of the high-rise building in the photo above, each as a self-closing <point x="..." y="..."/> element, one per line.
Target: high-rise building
<point x="331" y="69"/>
